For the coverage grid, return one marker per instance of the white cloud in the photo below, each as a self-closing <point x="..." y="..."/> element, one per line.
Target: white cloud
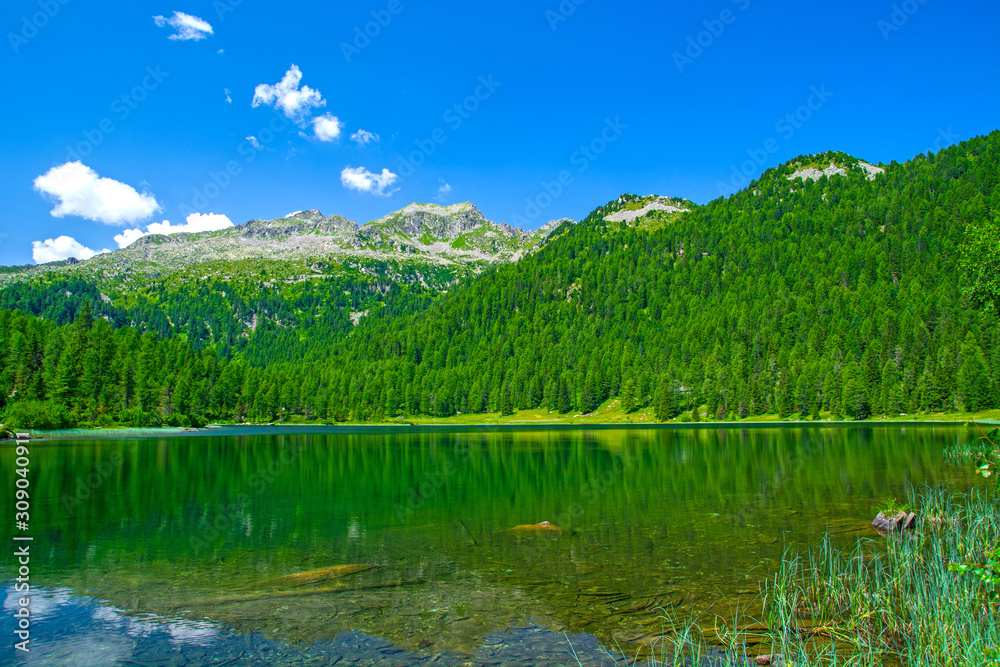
<point x="444" y="190"/>
<point x="327" y="127"/>
<point x="59" y="248"/>
<point x="254" y="142"/>
<point x="196" y="222"/>
<point x="363" y="137"/>
<point x="229" y="98"/>
<point x="81" y="191"/>
<point x="362" y="180"/>
<point x="187" y="26"/>
<point x="128" y="237"/>
<point x="295" y="102"/>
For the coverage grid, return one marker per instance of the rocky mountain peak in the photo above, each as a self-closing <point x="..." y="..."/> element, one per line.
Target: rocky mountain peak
<point x="313" y="215"/>
<point x="552" y="225"/>
<point x="443" y="222"/>
<point x="829" y="164"/>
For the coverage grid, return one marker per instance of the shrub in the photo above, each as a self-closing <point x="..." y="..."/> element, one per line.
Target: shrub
<point x="39" y="415"/>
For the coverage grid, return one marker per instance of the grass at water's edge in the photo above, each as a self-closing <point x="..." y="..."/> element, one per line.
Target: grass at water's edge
<point x="881" y="602"/>
<point x="540" y="418"/>
<point x="610" y="413"/>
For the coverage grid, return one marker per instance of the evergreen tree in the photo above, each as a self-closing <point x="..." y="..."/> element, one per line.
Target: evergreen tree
<point x="506" y="404"/>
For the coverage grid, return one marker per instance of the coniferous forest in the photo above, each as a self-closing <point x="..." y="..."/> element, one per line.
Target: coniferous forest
<point x="844" y="297"/>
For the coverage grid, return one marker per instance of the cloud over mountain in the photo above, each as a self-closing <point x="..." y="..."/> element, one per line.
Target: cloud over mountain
<point x="83" y="192"/>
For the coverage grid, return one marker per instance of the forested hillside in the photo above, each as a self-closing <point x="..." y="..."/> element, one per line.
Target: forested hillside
<point x="267" y="315"/>
<point x="840" y="296"/>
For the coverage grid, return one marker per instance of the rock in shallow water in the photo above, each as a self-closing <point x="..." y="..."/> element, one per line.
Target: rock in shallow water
<point x="899" y="522"/>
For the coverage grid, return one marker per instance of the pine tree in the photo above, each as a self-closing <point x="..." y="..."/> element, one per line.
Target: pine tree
<point x="629" y="395"/>
<point x="891" y="390"/>
<point x="855" y="396"/>
<point x="506" y="404"/>
<point x="666" y="407"/>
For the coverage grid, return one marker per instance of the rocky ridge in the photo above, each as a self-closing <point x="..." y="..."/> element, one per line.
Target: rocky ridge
<point x="457" y="238"/>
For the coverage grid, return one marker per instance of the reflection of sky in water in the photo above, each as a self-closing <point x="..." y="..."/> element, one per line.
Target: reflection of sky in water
<point x="67" y="630"/>
<point x="71" y="631"/>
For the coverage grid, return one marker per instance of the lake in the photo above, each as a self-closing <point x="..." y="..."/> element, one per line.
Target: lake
<point x="179" y="549"/>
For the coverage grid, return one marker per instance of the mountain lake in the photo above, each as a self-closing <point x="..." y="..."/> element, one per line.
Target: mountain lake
<point x="404" y="546"/>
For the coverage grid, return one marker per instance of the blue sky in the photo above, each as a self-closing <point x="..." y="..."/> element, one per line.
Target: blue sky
<point x="117" y="120"/>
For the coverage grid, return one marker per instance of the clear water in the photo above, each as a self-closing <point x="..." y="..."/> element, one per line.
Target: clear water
<point x="164" y="550"/>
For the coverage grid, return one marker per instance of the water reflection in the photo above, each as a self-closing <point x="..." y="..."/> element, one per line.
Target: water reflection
<point x="78" y="632"/>
<point x="687" y="520"/>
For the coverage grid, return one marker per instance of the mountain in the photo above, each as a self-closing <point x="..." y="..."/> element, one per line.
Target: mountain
<point x="266" y="285"/>
<point x="424" y="243"/>
<point x="835" y="294"/>
<point x="831" y="296"/>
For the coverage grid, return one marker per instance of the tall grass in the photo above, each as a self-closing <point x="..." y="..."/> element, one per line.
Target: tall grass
<point x="891" y="601"/>
<point x="893" y="604"/>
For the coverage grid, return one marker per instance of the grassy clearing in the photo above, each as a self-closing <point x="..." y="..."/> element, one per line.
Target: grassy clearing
<point x="611" y="412"/>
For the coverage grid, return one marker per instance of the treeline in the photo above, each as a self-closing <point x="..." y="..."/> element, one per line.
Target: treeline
<point x="838" y="297"/>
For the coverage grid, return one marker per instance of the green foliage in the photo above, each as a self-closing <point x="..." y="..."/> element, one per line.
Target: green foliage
<point x="898" y="605"/>
<point x="983" y="452"/>
<point x="891" y="506"/>
<point x="837" y="297"/>
<point x="34" y="414"/>
<point x="987" y="572"/>
<point x="981" y="251"/>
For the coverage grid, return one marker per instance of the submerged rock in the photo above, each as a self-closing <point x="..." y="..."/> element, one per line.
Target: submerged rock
<point x="543" y="528"/>
<point x="316" y="576"/>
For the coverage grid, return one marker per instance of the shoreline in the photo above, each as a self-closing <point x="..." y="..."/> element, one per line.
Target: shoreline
<point x="512" y="425"/>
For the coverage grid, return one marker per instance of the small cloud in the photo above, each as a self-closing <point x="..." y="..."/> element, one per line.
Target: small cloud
<point x="362" y="180"/>
<point x="196" y="222"/>
<point x="363" y="137"/>
<point x="188" y="27"/>
<point x="255" y="142"/>
<point x="229" y="98"/>
<point x="81" y="191"/>
<point x="444" y="190"/>
<point x="221" y="51"/>
<point x="327" y="127"/>
<point x="60" y="248"/>
<point x="294" y="101"/>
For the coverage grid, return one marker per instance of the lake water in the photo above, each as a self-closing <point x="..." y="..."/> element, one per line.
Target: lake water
<point x="165" y="550"/>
